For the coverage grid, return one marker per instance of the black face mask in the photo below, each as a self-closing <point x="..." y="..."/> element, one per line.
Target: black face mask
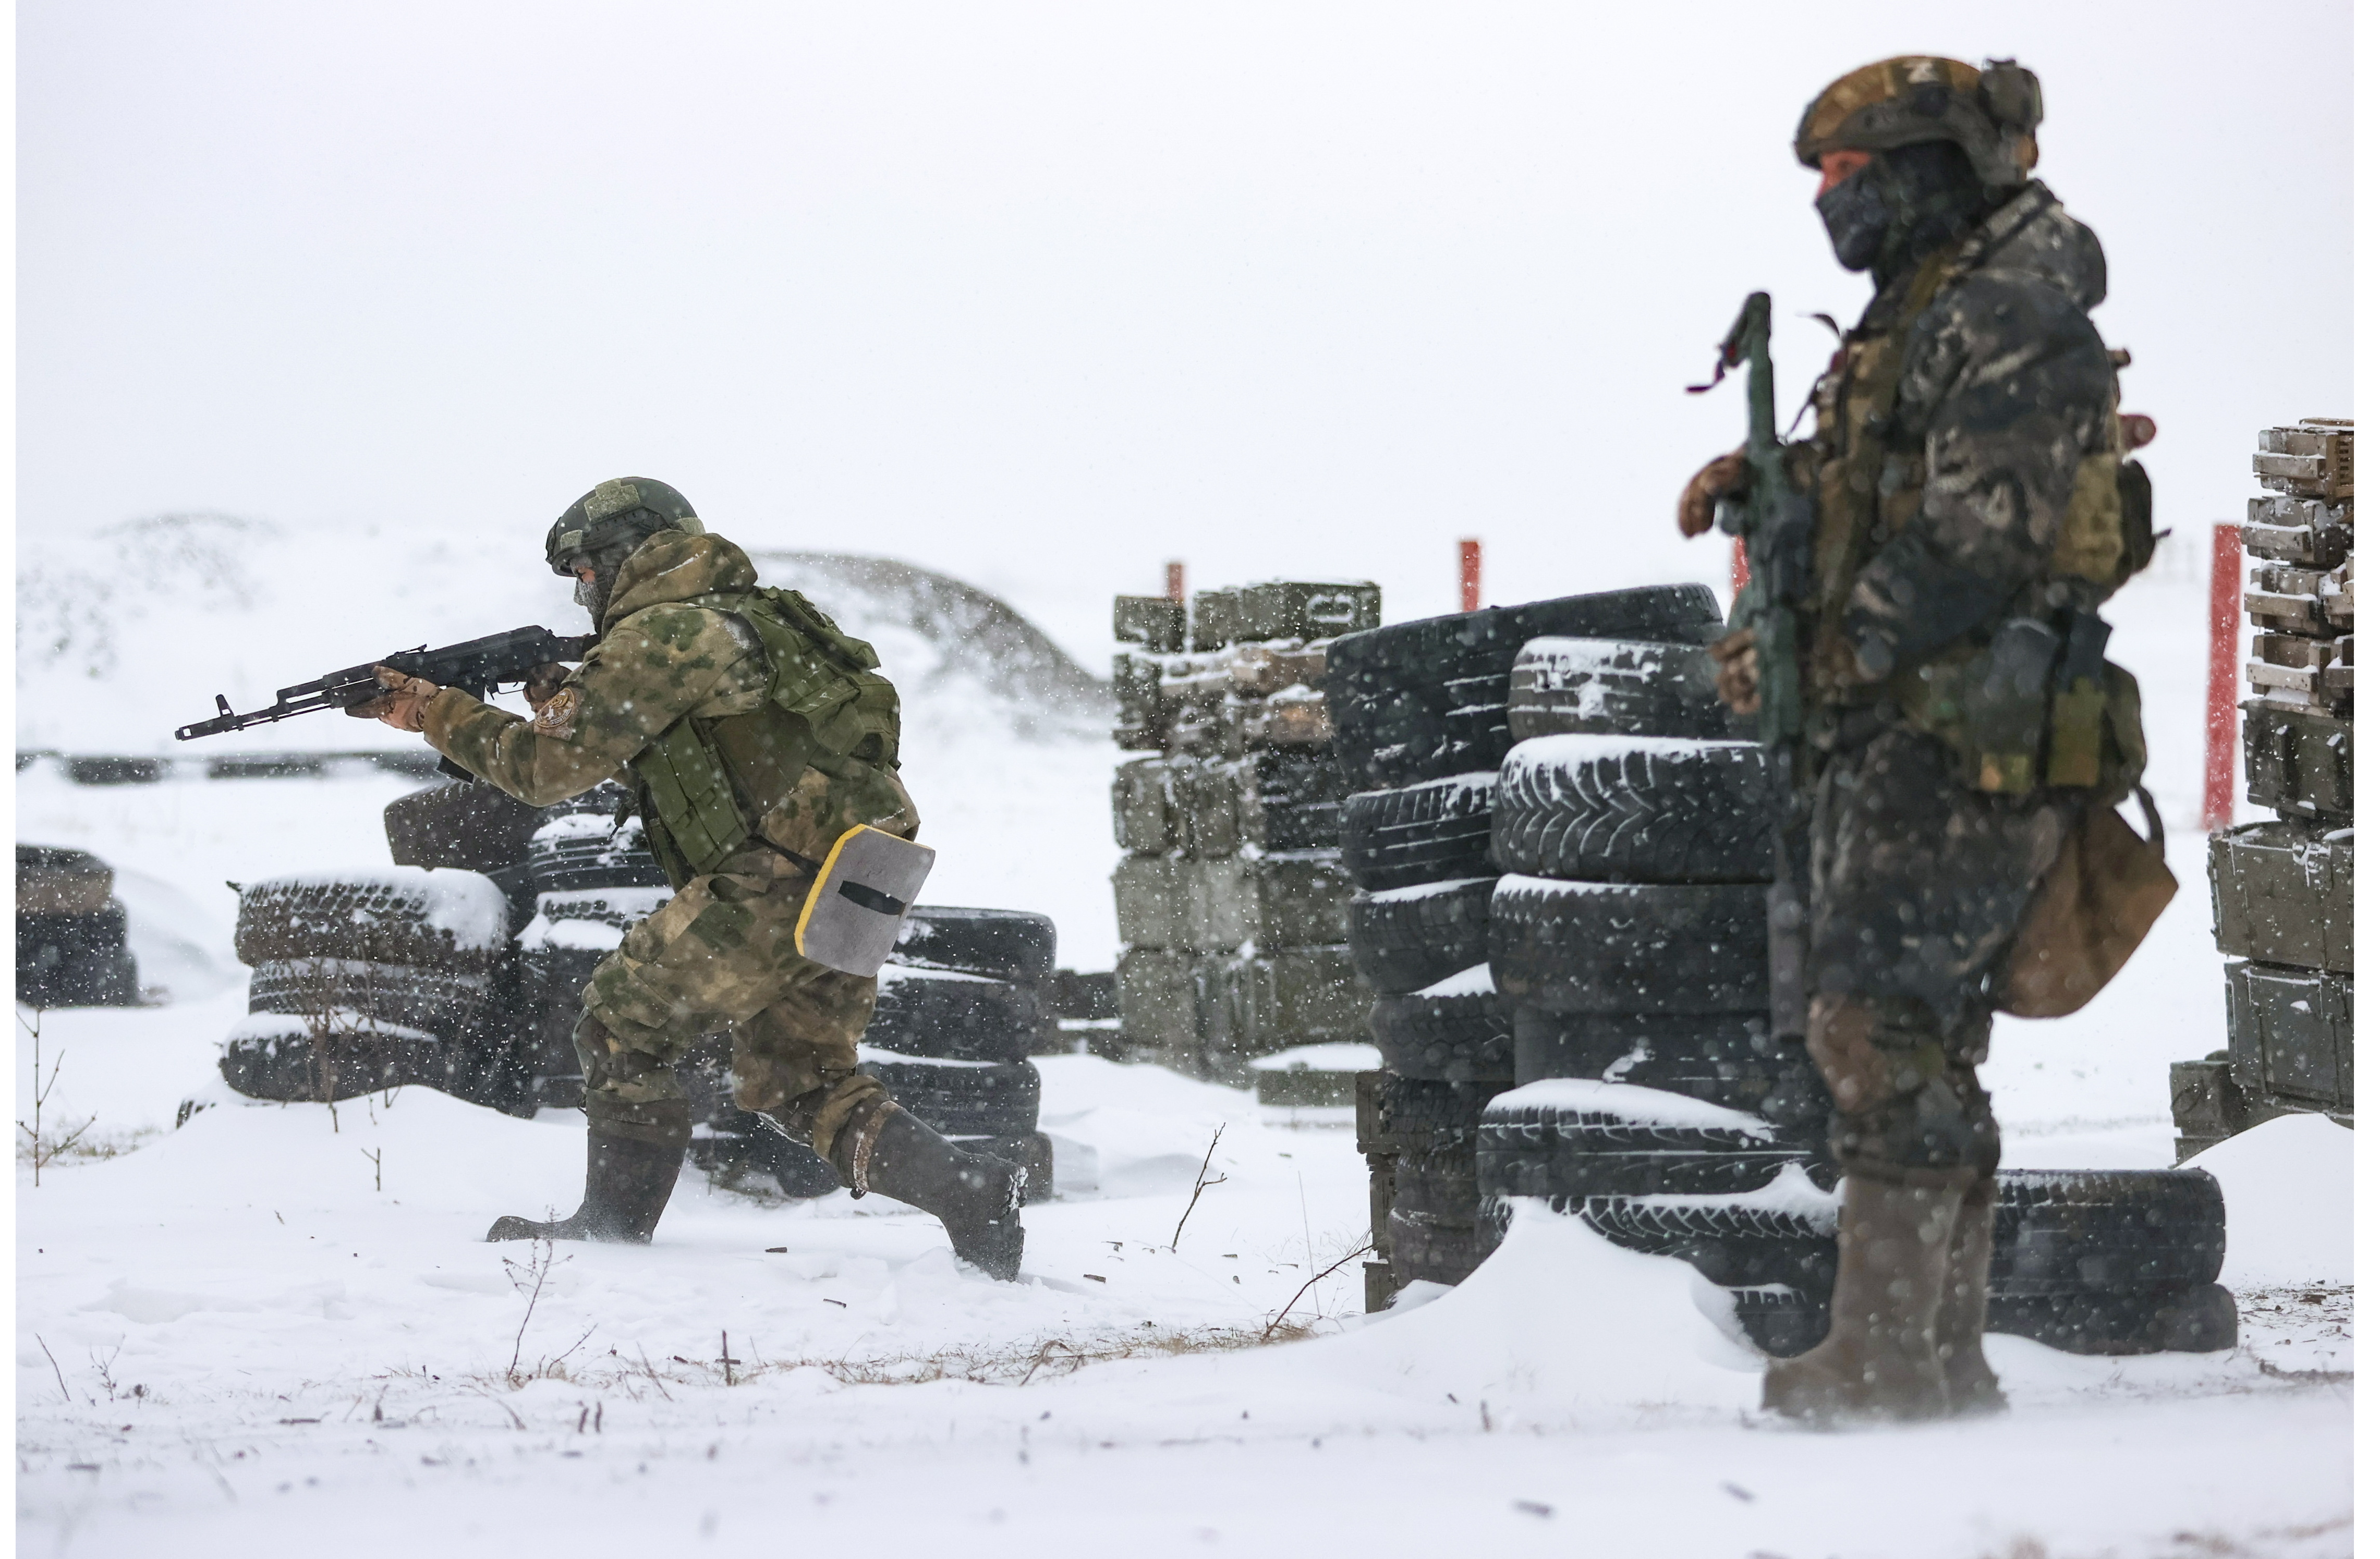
<point x="1902" y="204"/>
<point x="1857" y="218"/>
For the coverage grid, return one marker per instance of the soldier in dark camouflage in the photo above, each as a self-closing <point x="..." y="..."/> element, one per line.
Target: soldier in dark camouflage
<point x="1965" y="471"/>
<point x="754" y="734"/>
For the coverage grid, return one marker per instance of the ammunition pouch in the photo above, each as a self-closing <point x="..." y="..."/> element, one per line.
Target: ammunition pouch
<point x="2107" y="535"/>
<point x="2033" y="708"/>
<point x="819" y="759"/>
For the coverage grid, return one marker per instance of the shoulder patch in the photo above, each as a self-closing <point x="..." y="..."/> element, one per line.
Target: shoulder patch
<point x="558" y="716"/>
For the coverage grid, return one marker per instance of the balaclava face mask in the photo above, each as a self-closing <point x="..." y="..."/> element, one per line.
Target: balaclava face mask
<point x="1903" y="203"/>
<point x="607" y="560"/>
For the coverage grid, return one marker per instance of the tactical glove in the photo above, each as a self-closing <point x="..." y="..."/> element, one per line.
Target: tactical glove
<point x="1698" y="504"/>
<point x="402" y="705"/>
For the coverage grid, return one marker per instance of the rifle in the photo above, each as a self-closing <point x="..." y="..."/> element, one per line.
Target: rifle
<point x="1775" y="521"/>
<point x="477" y="666"/>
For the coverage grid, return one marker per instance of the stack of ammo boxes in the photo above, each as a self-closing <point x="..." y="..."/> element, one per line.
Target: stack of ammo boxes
<point x="2285" y="890"/>
<point x="1230" y="901"/>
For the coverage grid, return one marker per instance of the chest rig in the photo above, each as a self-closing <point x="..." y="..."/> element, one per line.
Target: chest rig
<point x="2025" y="698"/>
<point x="821" y="755"/>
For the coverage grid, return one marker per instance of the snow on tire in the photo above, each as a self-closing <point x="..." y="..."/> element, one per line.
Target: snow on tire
<point x="1635" y="809"/>
<point x="1568" y="1138"/>
<point x="996" y="944"/>
<point x="1430" y="833"/>
<point x="1406" y="938"/>
<point x="413" y="915"/>
<point x="588" y="850"/>
<point x="1725" y="1059"/>
<point x="1614" y="687"/>
<point x="1456" y="1031"/>
<point x="336" y="1056"/>
<point x="2201" y="1318"/>
<point x="437" y="1001"/>
<point x="1589" y="946"/>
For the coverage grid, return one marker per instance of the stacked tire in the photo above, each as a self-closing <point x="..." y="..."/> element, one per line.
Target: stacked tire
<point x="960" y="1011"/>
<point x="1424" y="714"/>
<point x="1230" y="901"/>
<point x="2285" y="890"/>
<point x="364" y="980"/>
<point x="70" y="932"/>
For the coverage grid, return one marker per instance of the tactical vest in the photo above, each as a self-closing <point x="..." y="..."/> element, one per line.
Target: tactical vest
<point x="821" y="755"/>
<point x="2078" y="722"/>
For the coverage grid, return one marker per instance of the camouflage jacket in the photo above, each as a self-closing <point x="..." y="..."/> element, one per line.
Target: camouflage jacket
<point x="1967" y="453"/>
<point x="684" y="684"/>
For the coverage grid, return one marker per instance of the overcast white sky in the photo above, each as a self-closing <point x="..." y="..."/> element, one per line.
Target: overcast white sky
<point x="1042" y="295"/>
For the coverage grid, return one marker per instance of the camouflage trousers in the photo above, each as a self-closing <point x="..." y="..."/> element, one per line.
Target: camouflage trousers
<point x="1917" y="886"/>
<point x="721" y="954"/>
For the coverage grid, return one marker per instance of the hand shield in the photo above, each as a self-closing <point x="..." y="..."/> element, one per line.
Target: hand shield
<point x="854" y="913"/>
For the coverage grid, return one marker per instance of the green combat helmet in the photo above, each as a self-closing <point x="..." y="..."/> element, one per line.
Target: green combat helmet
<point x="1990" y="114"/>
<point x="626" y="508"/>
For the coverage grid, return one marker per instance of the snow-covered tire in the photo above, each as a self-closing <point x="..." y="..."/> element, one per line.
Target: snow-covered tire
<point x="2057" y="1231"/>
<point x="454" y="920"/>
<point x="996" y="944"/>
<point x="1430" y="833"/>
<point x="1409" y="938"/>
<point x="1570" y="1141"/>
<point x="1725" y="1059"/>
<point x="1782" y="1320"/>
<point x="76" y="959"/>
<point x="461" y="825"/>
<point x="939" y="1012"/>
<point x="1393" y="691"/>
<point x="1614" y="687"/>
<point x="2201" y="1318"/>
<point x="964" y="1098"/>
<point x="1587" y="946"/>
<point x="273" y="1056"/>
<point x="1635" y="809"/>
<point x="587" y="850"/>
<point x="437" y="1001"/>
<point x="1456" y="1031"/>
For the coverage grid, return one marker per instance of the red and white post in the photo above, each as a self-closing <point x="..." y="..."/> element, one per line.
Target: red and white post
<point x="2222" y="678"/>
<point x="1177" y="584"/>
<point x="1467" y="571"/>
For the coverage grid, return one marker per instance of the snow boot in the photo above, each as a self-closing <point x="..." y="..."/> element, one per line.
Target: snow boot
<point x="1878" y="1361"/>
<point x="1966" y="1298"/>
<point x="632" y="1166"/>
<point x="976" y="1196"/>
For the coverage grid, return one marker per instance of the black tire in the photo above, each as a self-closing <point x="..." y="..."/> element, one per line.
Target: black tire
<point x="1404" y="1115"/>
<point x="1613" y="809"/>
<point x="586" y="849"/>
<point x="937" y="1012"/>
<point x="1571" y="1142"/>
<point x="76" y="959"/>
<point x="615" y="909"/>
<point x="1725" y="1059"/>
<point x="1393" y="690"/>
<point x="453" y="920"/>
<point x="1431" y="832"/>
<point x="1421" y="1249"/>
<point x="964" y="1098"/>
<point x="2107" y="1230"/>
<point x="1015" y="945"/>
<point x="436" y="1002"/>
<point x="1584" y="947"/>
<point x="279" y="1060"/>
<point x="1441" y="1184"/>
<point x="2197" y="1319"/>
<point x="1615" y="687"/>
<point x="1458" y="1036"/>
<point x="1407" y="938"/>
<point x="1781" y="1320"/>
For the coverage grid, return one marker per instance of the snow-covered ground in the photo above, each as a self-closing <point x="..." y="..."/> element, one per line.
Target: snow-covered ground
<point x="274" y="1330"/>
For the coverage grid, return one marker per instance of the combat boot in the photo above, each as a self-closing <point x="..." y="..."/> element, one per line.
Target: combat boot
<point x="1966" y="1299"/>
<point x="976" y="1196"/>
<point x="632" y="1166"/>
<point x="1878" y="1361"/>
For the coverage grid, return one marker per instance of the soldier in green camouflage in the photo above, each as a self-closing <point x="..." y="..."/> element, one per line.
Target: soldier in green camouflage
<point x="1972" y="513"/>
<point x="754" y="734"/>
